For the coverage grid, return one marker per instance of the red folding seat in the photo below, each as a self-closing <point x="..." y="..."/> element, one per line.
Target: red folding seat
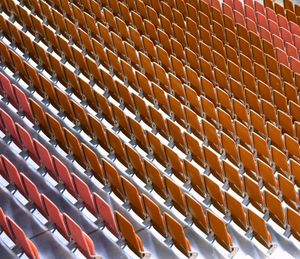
<point x="8" y="89"/>
<point x="153" y="212"/>
<point x="82" y="240"/>
<point x="286" y="35"/>
<point x="84" y="193"/>
<point x="9" y="126"/>
<point x="9" y="170"/>
<point x="294" y="28"/>
<point x="265" y="34"/>
<point x="27" y="142"/>
<point x="292" y="50"/>
<point x="175" y="230"/>
<point x="250" y="13"/>
<point x="176" y="195"/>
<point x="259" y="228"/>
<point x="22" y="240"/>
<point x="55" y="216"/>
<point x="64" y="175"/>
<point x="44" y="156"/>
<point x="255" y="196"/>
<point x="33" y="194"/>
<point x="293" y="218"/>
<point x="295" y="63"/>
<point x="220" y="231"/>
<point x="237" y="211"/>
<point x="275" y="209"/>
<point x="4" y="224"/>
<point x="105" y="213"/>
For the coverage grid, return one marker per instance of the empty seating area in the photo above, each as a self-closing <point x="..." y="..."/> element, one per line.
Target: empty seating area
<point x="149" y="129"/>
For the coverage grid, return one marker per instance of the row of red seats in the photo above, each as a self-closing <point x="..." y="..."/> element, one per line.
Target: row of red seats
<point x="17" y="235"/>
<point x="63" y="223"/>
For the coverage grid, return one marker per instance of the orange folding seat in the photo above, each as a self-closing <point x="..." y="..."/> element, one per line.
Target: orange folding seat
<point x="152" y="15"/>
<point x="233" y="177"/>
<point x="153" y="212"/>
<point x="241" y="111"/>
<point x="292" y="146"/>
<point x="206" y="52"/>
<point x="280" y="161"/>
<point x="255" y="196"/>
<point x="166" y="24"/>
<point x="246" y="63"/>
<point x="234" y="71"/>
<point x="195" y="177"/>
<point x="156" y="179"/>
<point x="220" y="231"/>
<point x="125" y="97"/>
<point x="157" y="148"/>
<point x="260" y="230"/>
<point x="224" y="100"/>
<point x="158" y="121"/>
<point x="280" y="100"/>
<point x="198" y="213"/>
<point x="177" y="49"/>
<point x="209" y="90"/>
<point x="116" y="146"/>
<point x="286" y="123"/>
<point x="268" y="177"/>
<point x="121" y="120"/>
<point x="269" y="111"/>
<point x="210" y="133"/>
<point x="193" y="79"/>
<point x="57" y="131"/>
<point x="206" y="69"/>
<point x="179" y="33"/>
<point x="275" y="209"/>
<point x="109" y="18"/>
<point x="195" y="149"/>
<point x="175" y="163"/>
<point x="272" y="64"/>
<point x="286" y="73"/>
<point x="133" y="197"/>
<point x="243" y="133"/>
<point x="115" y="65"/>
<point x="293" y="218"/>
<point x="113" y="178"/>
<point x="192" y="43"/>
<point x="215" y="194"/>
<point x="237" y="211"/>
<point x="124" y="12"/>
<point x="175" y="194"/>
<point x="129" y="234"/>
<point x="138" y="133"/>
<point x="253" y="100"/>
<point x="93" y="162"/>
<point x="149" y="47"/>
<point x="176" y="109"/>
<point x="248" y="162"/>
<point x="176" y="135"/>
<point x="135" y="163"/>
<point x="175" y="230"/>
<point x="260" y="144"/>
<point x="294" y="110"/>
<point x="274" y="133"/>
<point x="294" y="169"/>
<point x="39" y="115"/>
<point x="226" y="122"/>
<point x="135" y="38"/>
<point x="144" y="85"/>
<point x="118" y="44"/>
<point x="265" y="91"/>
<point x="146" y="64"/>
<point x="104" y="108"/>
<point x="290" y="92"/>
<point x="81" y="117"/>
<point x="230" y="148"/>
<point x="150" y="30"/>
<point x="192" y="122"/>
<point x="288" y="191"/>
<point x="192" y="61"/>
<point x="74" y="147"/>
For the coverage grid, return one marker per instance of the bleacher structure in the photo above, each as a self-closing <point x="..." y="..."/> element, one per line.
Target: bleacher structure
<point x="149" y="129"/>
